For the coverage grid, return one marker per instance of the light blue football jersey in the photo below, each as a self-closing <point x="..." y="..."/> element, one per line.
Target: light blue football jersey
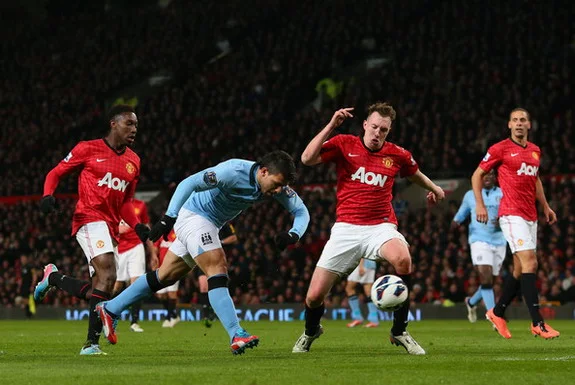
<point x="222" y="192"/>
<point x="479" y="232"/>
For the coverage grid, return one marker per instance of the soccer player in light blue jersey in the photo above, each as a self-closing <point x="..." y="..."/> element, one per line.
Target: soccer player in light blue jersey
<point x="200" y="206"/>
<point x="487" y="243"/>
<point x="363" y="274"/>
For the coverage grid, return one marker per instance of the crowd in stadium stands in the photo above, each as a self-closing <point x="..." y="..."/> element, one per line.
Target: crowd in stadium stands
<point x="452" y="85"/>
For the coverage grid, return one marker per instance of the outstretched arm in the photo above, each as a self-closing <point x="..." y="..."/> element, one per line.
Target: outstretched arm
<point x="312" y="153"/>
<point x="204" y="180"/>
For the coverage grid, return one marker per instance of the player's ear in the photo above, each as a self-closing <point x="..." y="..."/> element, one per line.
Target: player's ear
<point x="264" y="170"/>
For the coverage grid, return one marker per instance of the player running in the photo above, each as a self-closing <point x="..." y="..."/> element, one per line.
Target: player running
<point x="200" y="206"/>
<point x="109" y="172"/>
<point x="366" y="225"/>
<point x="517" y="161"/>
<point x="486" y="242"/>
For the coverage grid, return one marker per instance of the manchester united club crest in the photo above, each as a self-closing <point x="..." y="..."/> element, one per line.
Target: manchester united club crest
<point x="100" y="244"/>
<point x="130" y="168"/>
<point x="535" y="155"/>
<point x="387" y="162"/>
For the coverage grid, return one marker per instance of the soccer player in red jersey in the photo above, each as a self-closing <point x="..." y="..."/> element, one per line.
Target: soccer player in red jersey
<point x="131" y="261"/>
<point x="109" y="172"/>
<point x="366" y="225"/>
<point x="517" y="162"/>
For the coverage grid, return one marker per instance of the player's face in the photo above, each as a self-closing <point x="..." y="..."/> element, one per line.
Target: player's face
<point x="270" y="184"/>
<point x="489" y="180"/>
<point x="125" y="126"/>
<point x="376" y="128"/>
<point x="519" y="124"/>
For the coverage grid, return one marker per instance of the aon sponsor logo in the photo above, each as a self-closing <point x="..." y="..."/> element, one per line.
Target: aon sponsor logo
<point x="528" y="170"/>
<point x="370" y="178"/>
<point x="113" y="183"/>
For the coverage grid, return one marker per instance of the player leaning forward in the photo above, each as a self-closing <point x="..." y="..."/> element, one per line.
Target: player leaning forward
<point x="366" y="225"/>
<point x="200" y="206"/>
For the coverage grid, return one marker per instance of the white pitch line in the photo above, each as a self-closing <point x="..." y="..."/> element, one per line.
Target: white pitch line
<point x="564" y="358"/>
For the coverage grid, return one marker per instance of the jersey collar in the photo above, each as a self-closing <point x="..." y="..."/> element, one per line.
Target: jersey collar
<point x="121" y="152"/>
<point x="253" y="173"/>
<point x="369" y="149"/>
<point x="519" y="144"/>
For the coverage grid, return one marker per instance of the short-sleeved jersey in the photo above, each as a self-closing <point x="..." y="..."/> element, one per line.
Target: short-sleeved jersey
<point x="517" y="173"/>
<point x="489" y="232"/>
<point x="164" y="245"/>
<point x="107" y="179"/>
<point x="128" y="237"/>
<point x="365" y="178"/>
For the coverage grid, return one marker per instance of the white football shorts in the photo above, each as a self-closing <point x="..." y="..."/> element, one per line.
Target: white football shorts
<point x="348" y="243"/>
<point x="194" y="236"/>
<point x="483" y="253"/>
<point x="95" y="239"/>
<point x="520" y="234"/>
<point x="131" y="263"/>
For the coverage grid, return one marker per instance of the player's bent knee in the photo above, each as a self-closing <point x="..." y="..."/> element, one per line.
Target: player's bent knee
<point x="313" y="302"/>
<point x="402" y="264"/>
<point x="314" y="298"/>
<point x="529" y="267"/>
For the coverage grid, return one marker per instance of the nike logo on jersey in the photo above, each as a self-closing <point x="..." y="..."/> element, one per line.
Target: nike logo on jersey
<point x="100" y="160"/>
<point x="351" y="155"/>
<point x="515" y="154"/>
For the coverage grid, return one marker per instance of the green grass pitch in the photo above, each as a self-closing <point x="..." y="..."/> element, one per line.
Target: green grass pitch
<point x="46" y="353"/>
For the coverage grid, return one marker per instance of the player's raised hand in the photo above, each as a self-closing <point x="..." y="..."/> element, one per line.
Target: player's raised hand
<point x="340" y="116"/>
<point x="481" y="212"/>
<point x="550" y="215"/>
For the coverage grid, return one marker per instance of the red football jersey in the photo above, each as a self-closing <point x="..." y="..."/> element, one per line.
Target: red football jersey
<point x="128" y="237"/>
<point x="517" y="172"/>
<point x="165" y="245"/>
<point x="365" y="178"/>
<point x="107" y="179"/>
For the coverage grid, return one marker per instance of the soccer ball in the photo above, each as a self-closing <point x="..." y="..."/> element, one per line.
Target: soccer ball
<point x="389" y="292"/>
